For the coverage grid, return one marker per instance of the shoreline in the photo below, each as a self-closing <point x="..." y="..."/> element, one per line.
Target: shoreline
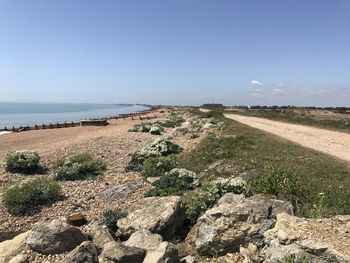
<point x="68" y="124"/>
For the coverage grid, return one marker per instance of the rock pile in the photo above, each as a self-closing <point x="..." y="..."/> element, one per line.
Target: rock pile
<point x="260" y="228"/>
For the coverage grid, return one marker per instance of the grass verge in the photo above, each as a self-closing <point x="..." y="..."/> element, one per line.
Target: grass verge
<point x="323" y="182"/>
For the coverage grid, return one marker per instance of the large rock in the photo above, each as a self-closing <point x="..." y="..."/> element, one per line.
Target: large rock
<point x="118" y="192"/>
<point x="13" y="247"/>
<point x="316" y="240"/>
<point x="54" y="238"/>
<point x="162" y="215"/>
<point x="157" y="250"/>
<point x="166" y="252"/>
<point x="101" y="235"/>
<point x="86" y="252"/>
<point x="117" y="252"/>
<point x="235" y="221"/>
<point x="144" y="239"/>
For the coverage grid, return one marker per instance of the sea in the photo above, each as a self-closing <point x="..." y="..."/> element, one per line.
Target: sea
<point x="23" y="114"/>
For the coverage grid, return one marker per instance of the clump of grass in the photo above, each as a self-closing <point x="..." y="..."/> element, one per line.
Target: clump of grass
<point x="78" y="167"/>
<point x="22" y="197"/>
<point x="158" y="166"/>
<point x="26" y="162"/>
<point x="279" y="182"/>
<point x="111" y="218"/>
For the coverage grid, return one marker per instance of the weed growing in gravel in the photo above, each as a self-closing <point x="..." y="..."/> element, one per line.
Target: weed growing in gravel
<point x="78" y="167"/>
<point x="22" y="197"/>
<point x="26" y="162"/>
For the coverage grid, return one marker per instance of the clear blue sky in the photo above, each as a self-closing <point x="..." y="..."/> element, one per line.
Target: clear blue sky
<point x="176" y="52"/>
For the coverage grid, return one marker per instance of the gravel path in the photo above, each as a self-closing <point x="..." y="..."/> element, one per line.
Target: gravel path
<point x="331" y="142"/>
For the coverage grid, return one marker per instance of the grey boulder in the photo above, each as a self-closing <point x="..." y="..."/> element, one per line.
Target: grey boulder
<point x="55" y="237"/>
<point x="235" y="221"/>
<point x="86" y="252"/>
<point x="117" y="252"/>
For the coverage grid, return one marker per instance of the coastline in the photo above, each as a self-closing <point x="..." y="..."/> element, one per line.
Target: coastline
<point x="67" y="124"/>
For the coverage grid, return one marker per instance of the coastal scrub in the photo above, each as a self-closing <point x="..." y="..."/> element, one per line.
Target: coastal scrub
<point x="24" y="161"/>
<point x="22" y="197"/>
<point x="78" y="167"/>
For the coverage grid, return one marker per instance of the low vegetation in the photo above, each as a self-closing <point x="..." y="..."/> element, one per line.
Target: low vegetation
<point x="318" y="184"/>
<point x="158" y="166"/>
<point x="281" y="183"/>
<point x="176" y="182"/>
<point x="25" y="162"/>
<point x="25" y="196"/>
<point x="209" y="194"/>
<point x="157" y="148"/>
<point x="111" y="218"/>
<point x="78" y="167"/>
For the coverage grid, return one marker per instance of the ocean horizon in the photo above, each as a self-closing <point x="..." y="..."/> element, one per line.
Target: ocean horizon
<point x="14" y="114"/>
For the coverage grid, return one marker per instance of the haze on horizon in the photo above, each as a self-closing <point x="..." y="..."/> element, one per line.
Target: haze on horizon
<point x="183" y="52"/>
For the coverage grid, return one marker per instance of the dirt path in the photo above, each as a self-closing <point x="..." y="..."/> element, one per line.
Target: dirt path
<point x="330" y="142"/>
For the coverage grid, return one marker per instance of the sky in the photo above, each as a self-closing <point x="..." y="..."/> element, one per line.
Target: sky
<point x="179" y="52"/>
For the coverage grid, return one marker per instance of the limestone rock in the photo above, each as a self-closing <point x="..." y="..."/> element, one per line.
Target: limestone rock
<point x="162" y="215"/>
<point x="101" y="235"/>
<point x="117" y="252"/>
<point x="13" y="247"/>
<point x="86" y="252"/>
<point x="118" y="192"/>
<point x="166" y="252"/>
<point x="144" y="239"/>
<point x="317" y="240"/>
<point x="19" y="259"/>
<point x="54" y="238"/>
<point x="235" y="222"/>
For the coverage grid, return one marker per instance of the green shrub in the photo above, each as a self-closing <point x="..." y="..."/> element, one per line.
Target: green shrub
<point x="201" y="201"/>
<point x="111" y="218"/>
<point x="279" y="182"/>
<point x="171" y="185"/>
<point x="160" y="147"/>
<point x="197" y="204"/>
<point x="158" y="166"/>
<point x="21" y="197"/>
<point x="78" y="167"/>
<point x="22" y="162"/>
<point x="172" y="122"/>
<point x="223" y="186"/>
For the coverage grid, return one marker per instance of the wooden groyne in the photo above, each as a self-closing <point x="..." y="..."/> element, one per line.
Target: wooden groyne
<point x="142" y="115"/>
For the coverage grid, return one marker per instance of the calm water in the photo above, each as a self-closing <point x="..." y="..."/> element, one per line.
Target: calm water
<point x="22" y="114"/>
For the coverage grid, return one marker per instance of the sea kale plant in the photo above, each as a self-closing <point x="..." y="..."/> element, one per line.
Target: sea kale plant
<point x="176" y="182"/>
<point x="158" y="166"/>
<point x="78" y="167"/>
<point x="209" y="194"/>
<point x="152" y="128"/>
<point x="160" y="147"/>
<point x="24" y="196"/>
<point x="24" y="161"/>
